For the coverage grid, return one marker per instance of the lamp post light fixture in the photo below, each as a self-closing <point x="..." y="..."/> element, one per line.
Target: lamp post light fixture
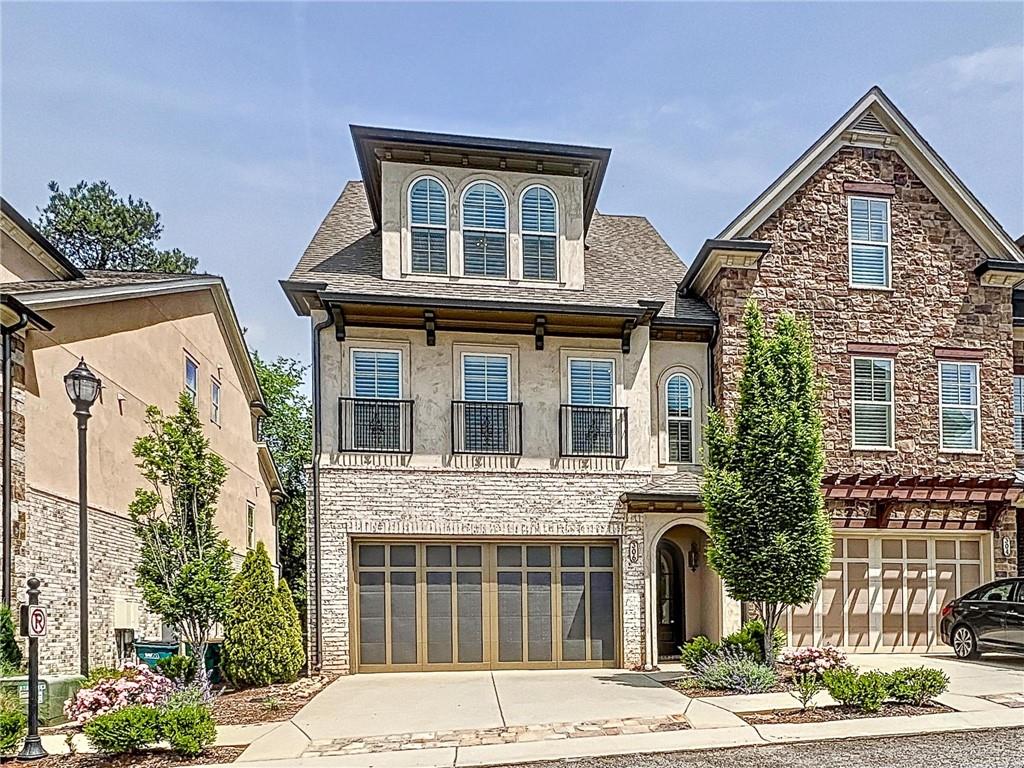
<point x="83" y="387"/>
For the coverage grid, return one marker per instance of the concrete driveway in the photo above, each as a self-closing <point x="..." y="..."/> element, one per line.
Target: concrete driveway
<point x="991" y="674"/>
<point x="414" y="702"/>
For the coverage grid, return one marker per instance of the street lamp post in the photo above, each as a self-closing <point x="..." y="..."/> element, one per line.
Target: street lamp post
<point x="83" y="387"/>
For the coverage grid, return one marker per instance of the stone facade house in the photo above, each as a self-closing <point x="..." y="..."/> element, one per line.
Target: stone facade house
<point x="148" y="336"/>
<point x="510" y="389"/>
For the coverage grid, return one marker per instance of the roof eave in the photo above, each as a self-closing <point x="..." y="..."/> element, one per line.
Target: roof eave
<point x="37" y="237"/>
<point x="752" y="249"/>
<point x="27" y="315"/>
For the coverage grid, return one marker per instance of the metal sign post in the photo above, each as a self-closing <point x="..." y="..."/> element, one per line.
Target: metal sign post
<point x="33" y="625"/>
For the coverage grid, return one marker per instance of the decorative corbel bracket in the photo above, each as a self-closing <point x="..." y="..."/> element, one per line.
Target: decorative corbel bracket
<point x="539" y="324"/>
<point x="430" y="325"/>
<point x="627" y="329"/>
<point x="339" y="324"/>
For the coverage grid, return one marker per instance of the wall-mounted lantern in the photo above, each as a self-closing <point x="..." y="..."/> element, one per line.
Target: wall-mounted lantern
<point x="694" y="557"/>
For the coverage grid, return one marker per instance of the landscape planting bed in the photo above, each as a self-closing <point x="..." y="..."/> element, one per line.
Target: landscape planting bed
<point x="827" y="714"/>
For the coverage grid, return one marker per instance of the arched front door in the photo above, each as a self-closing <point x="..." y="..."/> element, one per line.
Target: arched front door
<point x="671" y="601"/>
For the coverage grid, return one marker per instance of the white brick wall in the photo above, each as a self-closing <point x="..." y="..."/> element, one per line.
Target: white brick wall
<point x="421" y="502"/>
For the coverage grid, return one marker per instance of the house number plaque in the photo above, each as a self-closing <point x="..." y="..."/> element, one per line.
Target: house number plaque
<point x="1006" y="546"/>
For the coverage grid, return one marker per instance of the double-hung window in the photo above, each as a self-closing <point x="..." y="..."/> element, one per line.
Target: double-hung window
<point x="192" y="378"/>
<point x="591" y="399"/>
<point x="539" y="223"/>
<point x="487" y="417"/>
<point x="1018" y="413"/>
<point x="873" y="403"/>
<point x="679" y="415"/>
<point x="376" y="413"/>
<point x="428" y="223"/>
<point x="870" y="263"/>
<point x="250" y="525"/>
<point x="959" y="407"/>
<point x="484" y="231"/>
<point x="215" y="401"/>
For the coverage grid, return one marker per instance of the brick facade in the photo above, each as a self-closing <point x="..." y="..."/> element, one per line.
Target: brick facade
<point x="418" y="502"/>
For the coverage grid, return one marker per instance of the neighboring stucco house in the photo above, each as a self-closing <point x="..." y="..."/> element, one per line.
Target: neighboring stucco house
<point x="148" y="336"/>
<point x="510" y="391"/>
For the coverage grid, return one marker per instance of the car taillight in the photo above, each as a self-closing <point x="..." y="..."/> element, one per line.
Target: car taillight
<point x="948" y="609"/>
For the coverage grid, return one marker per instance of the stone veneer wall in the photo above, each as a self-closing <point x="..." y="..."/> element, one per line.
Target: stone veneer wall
<point x="46" y="546"/>
<point x="17" y="434"/>
<point x="419" y="502"/>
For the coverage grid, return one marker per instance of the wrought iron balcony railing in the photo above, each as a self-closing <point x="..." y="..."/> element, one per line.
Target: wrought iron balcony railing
<point x="481" y="427"/>
<point x="374" y="426"/>
<point x="593" y="431"/>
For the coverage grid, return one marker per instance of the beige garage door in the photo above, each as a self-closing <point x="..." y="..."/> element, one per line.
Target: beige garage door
<point x="484" y="605"/>
<point x="884" y="592"/>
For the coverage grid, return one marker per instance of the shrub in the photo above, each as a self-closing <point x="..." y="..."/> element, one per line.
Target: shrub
<point x="750" y="639"/>
<point x="188" y="728"/>
<point x="10" y="650"/>
<point x="13" y="722"/>
<point x="866" y="692"/>
<point x="256" y="634"/>
<point x="180" y="669"/>
<point x="133" y="684"/>
<point x="696" y="650"/>
<point x="917" y="685"/>
<point x="813" y="660"/>
<point x="731" y="669"/>
<point x="189" y="695"/>
<point x="126" y="730"/>
<point x="295" y="656"/>
<point x="806" y="687"/>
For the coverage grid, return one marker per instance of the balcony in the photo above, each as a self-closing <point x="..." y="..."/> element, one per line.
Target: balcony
<point x="593" y="431"/>
<point x="490" y="428"/>
<point x="374" y="426"/>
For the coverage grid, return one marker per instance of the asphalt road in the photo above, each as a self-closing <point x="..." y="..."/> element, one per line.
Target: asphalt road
<point x="974" y="749"/>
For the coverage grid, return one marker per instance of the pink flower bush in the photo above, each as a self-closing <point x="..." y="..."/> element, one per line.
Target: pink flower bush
<point x="814" y="660"/>
<point x="137" y="684"/>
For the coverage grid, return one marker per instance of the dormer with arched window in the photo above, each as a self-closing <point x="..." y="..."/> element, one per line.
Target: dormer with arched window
<point x="538" y="225"/>
<point x="484" y="231"/>
<point x="428" y="226"/>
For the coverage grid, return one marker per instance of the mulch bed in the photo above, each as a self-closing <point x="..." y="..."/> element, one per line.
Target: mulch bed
<point x="266" y="705"/>
<point x="688" y="686"/>
<point x="156" y="759"/>
<point x="826" y="714"/>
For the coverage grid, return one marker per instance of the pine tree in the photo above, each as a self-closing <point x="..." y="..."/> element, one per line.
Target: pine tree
<point x="256" y="631"/>
<point x="295" y="658"/>
<point x="771" y="540"/>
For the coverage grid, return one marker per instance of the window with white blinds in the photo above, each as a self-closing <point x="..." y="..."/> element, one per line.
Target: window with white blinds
<point x="428" y="223"/>
<point x="591" y="382"/>
<point x="539" y="224"/>
<point x="485" y="378"/>
<point x="484" y="231"/>
<point x="872" y="403"/>
<point x="959" y="407"/>
<point x="869" y="242"/>
<point x="376" y="374"/>
<point x="1018" y="413"/>
<point x="679" y="413"/>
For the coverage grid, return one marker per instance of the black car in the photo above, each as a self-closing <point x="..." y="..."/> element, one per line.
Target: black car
<point x="990" y="618"/>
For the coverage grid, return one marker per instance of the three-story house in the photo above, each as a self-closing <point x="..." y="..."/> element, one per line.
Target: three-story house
<point x="510" y="389"/>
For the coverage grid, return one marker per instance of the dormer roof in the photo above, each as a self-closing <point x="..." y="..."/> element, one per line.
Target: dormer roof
<point x="374" y="145"/>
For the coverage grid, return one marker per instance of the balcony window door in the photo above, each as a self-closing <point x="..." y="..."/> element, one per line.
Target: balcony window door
<point x="375" y="409"/>
<point x="486" y="417"/>
<point x="592" y="397"/>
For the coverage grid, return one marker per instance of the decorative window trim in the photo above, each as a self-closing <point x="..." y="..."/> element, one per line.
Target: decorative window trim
<point x="850" y="242"/>
<point x="669" y="419"/>
<point x="193" y="390"/>
<point x="486" y="353"/>
<point x="216" y="390"/>
<point x="589" y="359"/>
<point x="891" y="403"/>
<point x="556" y="235"/>
<point x="437" y="227"/>
<point x="463" y="228"/>
<point x="976" y="407"/>
<point x="352" y="369"/>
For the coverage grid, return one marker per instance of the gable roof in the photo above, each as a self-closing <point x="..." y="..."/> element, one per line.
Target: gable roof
<point x="626" y="262"/>
<point x="876" y="122"/>
<point x="43" y="251"/>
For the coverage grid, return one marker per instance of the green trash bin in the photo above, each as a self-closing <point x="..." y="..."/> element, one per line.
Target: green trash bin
<point x="151" y="651"/>
<point x="212" y="660"/>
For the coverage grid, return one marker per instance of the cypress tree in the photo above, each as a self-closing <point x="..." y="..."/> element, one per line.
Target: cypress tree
<point x="771" y="539"/>
<point x="10" y="650"/>
<point x="295" y="656"/>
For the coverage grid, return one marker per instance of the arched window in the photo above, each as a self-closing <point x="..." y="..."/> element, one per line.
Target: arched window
<point x="428" y="221"/>
<point x="484" y="231"/>
<point x="539" y="223"/>
<point x="679" y="414"/>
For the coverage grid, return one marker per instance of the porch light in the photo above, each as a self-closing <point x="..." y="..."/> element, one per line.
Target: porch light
<point x="694" y="558"/>
<point x="83" y="387"/>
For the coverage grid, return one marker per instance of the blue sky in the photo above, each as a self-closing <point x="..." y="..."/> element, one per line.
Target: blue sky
<point x="232" y="119"/>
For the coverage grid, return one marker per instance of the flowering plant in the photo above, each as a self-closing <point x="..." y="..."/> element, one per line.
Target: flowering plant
<point x="134" y="684"/>
<point x="814" y="660"/>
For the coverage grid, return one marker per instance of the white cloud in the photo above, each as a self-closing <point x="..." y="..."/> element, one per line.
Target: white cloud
<point x="996" y="66"/>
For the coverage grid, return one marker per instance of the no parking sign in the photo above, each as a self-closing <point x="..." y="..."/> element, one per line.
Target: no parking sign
<point x="33" y="621"/>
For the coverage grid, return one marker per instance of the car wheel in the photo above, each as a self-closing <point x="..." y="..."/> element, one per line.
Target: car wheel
<point x="965" y="644"/>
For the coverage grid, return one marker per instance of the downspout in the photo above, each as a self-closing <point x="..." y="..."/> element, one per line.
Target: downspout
<point x="318" y="641"/>
<point x="711" y="365"/>
<point x="8" y="494"/>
